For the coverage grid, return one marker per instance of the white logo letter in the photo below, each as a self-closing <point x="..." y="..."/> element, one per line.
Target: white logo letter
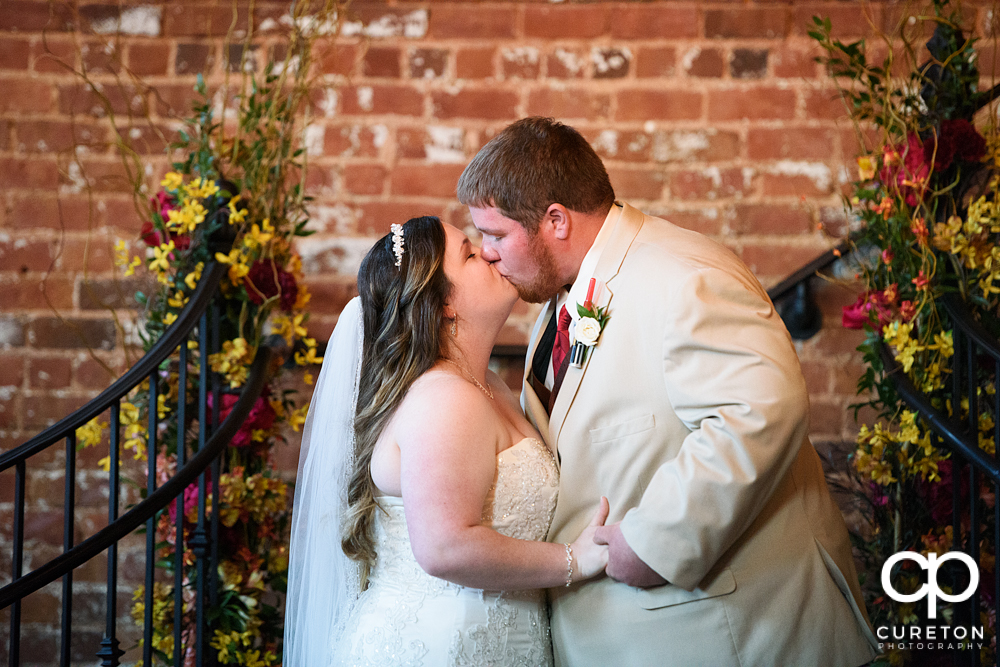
<point x="931" y="589"/>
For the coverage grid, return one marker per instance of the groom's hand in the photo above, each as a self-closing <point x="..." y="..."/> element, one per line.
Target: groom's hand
<point x="623" y="564"/>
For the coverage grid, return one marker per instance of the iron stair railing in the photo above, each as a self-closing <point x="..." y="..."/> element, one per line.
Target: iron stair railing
<point x="976" y="355"/>
<point x="201" y="314"/>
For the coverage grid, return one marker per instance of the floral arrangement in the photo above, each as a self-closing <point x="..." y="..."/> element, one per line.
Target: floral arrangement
<point x="927" y="204"/>
<point x="241" y="180"/>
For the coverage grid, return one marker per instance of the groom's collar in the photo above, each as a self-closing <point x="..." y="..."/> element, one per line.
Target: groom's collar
<point x="623" y="232"/>
<point x="578" y="291"/>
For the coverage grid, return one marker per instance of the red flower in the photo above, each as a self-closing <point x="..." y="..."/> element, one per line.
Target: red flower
<point x="921" y="281"/>
<point x="154" y="237"/>
<point x="261" y="284"/>
<point x="956" y="138"/>
<point x="162" y="203"/>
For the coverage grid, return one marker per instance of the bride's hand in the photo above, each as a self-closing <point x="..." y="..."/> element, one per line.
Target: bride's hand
<point x="589" y="558"/>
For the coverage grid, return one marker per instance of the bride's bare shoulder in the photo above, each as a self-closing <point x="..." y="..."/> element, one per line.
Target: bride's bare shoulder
<point x="442" y="405"/>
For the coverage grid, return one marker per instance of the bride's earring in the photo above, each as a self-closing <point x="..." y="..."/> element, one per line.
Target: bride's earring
<point x="454" y="326"/>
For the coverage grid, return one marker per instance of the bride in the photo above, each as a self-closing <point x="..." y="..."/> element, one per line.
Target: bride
<point x="424" y="495"/>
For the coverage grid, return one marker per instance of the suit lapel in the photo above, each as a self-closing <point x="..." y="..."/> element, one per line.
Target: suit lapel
<point x="624" y="232"/>
<point x="533" y="407"/>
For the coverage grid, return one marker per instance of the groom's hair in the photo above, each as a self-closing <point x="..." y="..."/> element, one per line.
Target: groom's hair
<point x="532" y="164"/>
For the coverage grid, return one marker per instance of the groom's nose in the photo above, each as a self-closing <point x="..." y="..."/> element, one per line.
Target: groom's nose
<point x="490" y="253"/>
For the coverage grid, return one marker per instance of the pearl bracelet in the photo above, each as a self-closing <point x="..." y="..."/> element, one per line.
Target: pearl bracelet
<point x="569" y="565"/>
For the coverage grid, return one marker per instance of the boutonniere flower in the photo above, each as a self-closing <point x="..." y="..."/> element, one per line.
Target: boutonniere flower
<point x="588" y="328"/>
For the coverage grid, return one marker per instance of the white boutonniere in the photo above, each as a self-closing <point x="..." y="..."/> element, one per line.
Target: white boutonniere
<point x="587" y="331"/>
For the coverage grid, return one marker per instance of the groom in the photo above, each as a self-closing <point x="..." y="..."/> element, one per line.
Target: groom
<point x="689" y="413"/>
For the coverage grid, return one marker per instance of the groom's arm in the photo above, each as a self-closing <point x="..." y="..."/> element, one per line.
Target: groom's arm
<point x="733" y="378"/>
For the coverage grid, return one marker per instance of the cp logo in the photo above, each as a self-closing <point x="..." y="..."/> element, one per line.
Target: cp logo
<point x="931" y="589"/>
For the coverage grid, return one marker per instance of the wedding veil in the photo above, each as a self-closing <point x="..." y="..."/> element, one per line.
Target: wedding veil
<point x="323" y="583"/>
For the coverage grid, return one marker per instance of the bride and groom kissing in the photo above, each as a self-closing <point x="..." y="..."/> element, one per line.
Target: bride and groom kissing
<point x="652" y="497"/>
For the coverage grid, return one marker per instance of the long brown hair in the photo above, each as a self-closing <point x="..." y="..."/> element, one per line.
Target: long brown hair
<point x="403" y="311"/>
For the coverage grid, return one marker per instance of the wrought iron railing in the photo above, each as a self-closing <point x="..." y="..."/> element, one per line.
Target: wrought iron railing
<point x="975" y="379"/>
<point x="199" y="320"/>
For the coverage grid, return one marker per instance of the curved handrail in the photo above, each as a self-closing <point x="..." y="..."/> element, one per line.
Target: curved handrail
<point x="953" y="438"/>
<point x="161" y="350"/>
<point x="133" y="518"/>
<point x="806" y="271"/>
<point x="962" y="318"/>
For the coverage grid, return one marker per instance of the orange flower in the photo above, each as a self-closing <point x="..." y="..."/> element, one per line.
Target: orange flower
<point x="884" y="207"/>
<point x="919" y="229"/>
<point x="921" y="281"/>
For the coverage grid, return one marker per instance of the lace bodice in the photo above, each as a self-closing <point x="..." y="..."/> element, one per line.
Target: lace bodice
<point x="409" y="618"/>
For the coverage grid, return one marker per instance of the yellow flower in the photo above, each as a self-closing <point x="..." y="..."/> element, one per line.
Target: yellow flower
<point x="192" y="278"/>
<point x="310" y="356"/>
<point x="307" y="377"/>
<point x="200" y="188"/>
<point x="177" y="300"/>
<point x="236" y="216"/>
<point x="121" y="253"/>
<point x="944" y="343"/>
<point x="866" y="168"/>
<point x="298" y="417"/>
<point x="302" y="297"/>
<point x="133" y="265"/>
<point x="169" y="318"/>
<point x="238" y="267"/>
<point x="232" y="361"/>
<point x="161" y="257"/>
<point x="129" y="413"/>
<point x="172" y="180"/>
<point x="91" y="433"/>
<point x="256" y="238"/>
<point x="162" y="409"/>
<point x="882" y="473"/>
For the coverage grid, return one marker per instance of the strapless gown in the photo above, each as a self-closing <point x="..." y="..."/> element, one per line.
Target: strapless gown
<point x="408" y="618"/>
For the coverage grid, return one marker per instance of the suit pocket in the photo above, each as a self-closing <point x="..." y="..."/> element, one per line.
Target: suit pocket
<point x="621" y="429"/>
<point x="669" y="595"/>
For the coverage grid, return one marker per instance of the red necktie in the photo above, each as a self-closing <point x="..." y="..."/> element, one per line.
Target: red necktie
<point x="560" y="348"/>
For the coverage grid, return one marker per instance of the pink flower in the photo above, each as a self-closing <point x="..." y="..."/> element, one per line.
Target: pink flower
<point x="921" y="281"/>
<point x="162" y="203"/>
<point x="190" y="500"/>
<point x="888" y="255"/>
<point x="261" y="417"/>
<point x="860" y="312"/>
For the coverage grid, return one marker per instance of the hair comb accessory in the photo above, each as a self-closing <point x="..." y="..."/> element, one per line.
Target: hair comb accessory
<point x="397" y="243"/>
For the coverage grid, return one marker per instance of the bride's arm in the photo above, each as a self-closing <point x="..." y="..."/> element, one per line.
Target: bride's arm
<point x="447" y="432"/>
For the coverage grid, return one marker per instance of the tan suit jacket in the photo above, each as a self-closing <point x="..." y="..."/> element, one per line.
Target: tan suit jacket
<point x="691" y="415"/>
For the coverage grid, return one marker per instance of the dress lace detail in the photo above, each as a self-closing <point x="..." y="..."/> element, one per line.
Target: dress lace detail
<point x="409" y="618"/>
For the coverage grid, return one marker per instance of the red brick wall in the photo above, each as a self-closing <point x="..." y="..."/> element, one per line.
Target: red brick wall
<point x="711" y="114"/>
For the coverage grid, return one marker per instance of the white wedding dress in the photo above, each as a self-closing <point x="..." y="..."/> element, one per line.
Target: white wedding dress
<point x="408" y="618"/>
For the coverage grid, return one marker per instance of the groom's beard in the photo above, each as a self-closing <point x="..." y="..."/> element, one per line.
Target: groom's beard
<point x="545" y="283"/>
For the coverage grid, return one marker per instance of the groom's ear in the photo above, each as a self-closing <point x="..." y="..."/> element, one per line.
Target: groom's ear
<point x="558" y="218"/>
